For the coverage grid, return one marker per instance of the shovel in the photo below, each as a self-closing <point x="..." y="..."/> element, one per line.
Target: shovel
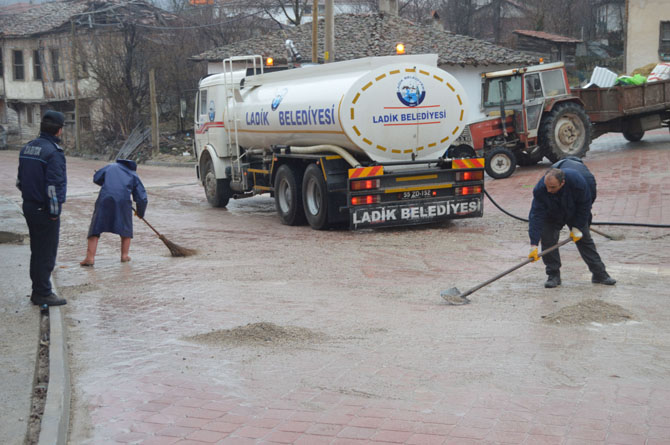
<point x="454" y="297"/>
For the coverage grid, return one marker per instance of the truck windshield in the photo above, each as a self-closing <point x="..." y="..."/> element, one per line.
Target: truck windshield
<point x="512" y="86"/>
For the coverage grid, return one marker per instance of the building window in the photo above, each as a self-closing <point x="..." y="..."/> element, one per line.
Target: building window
<point x="29" y="114"/>
<point x="37" y="65"/>
<point x="18" y="65"/>
<point x="55" y="65"/>
<point x="664" y="44"/>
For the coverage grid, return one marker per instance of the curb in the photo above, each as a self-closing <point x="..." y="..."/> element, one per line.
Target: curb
<point x="56" y="417"/>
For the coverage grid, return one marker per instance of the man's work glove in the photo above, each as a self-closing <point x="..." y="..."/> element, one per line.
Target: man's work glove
<point x="575" y="234"/>
<point x="533" y="253"/>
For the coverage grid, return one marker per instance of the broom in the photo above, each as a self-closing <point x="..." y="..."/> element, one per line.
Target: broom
<point x="175" y="249"/>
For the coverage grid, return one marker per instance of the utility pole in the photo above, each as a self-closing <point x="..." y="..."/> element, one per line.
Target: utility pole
<point x="330" y="32"/>
<point x="315" y="31"/>
<point x="154" y="111"/>
<point x="75" y="71"/>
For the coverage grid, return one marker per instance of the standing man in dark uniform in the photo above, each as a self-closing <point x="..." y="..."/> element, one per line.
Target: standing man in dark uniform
<point x="562" y="197"/>
<point x="42" y="180"/>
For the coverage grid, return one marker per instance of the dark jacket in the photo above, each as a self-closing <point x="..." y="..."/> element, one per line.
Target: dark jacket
<point x="575" y="163"/>
<point x="571" y="205"/>
<point x="42" y="174"/>
<point x="113" y="208"/>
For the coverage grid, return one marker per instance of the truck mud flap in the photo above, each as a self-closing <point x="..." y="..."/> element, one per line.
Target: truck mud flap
<point x="415" y="212"/>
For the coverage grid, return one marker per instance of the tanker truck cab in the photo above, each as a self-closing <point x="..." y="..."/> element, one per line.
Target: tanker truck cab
<point x="354" y="143"/>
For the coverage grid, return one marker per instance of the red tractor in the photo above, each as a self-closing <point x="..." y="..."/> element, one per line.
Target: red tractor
<point x="541" y="116"/>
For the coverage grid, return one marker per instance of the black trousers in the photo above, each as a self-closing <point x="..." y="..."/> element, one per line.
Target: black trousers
<point x="44" y="233"/>
<point x="587" y="249"/>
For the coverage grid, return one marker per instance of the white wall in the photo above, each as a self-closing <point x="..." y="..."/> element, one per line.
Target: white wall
<point x="29" y="88"/>
<point x="642" y="31"/>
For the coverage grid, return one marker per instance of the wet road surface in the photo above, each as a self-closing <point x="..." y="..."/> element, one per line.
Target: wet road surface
<point x="388" y="361"/>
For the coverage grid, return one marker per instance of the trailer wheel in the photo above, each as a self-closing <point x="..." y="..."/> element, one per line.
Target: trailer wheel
<point x="633" y="136"/>
<point x="218" y="191"/>
<point x="315" y="197"/>
<point x="288" y="195"/>
<point x="532" y="157"/>
<point x="500" y="163"/>
<point x="566" y="131"/>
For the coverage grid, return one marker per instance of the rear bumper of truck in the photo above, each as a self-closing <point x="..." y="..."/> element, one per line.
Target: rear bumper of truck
<point x="452" y="190"/>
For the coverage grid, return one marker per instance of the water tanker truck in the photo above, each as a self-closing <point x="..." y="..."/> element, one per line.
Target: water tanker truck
<point x="361" y="143"/>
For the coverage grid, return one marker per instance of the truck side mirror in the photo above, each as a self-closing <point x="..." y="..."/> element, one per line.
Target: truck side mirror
<point x="537" y="85"/>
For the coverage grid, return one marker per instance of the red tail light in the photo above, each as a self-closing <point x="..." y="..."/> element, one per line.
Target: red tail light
<point x="470" y="176"/>
<point x="472" y="190"/>
<point x="365" y="184"/>
<point x="366" y="199"/>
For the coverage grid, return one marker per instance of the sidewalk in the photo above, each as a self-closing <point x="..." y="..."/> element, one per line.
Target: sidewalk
<point x="19" y="334"/>
<point x="19" y="326"/>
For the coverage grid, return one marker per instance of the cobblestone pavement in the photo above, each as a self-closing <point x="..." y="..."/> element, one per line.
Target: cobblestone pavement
<point x="386" y="360"/>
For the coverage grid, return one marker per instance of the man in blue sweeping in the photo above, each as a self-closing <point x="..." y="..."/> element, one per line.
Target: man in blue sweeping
<point x="114" y="209"/>
<point x="564" y="196"/>
<point x="42" y="180"/>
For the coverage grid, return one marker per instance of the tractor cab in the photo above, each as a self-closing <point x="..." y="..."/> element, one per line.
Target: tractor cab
<point x="522" y="93"/>
<point x="530" y="114"/>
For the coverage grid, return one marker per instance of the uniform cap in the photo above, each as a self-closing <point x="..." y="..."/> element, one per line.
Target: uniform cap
<point x="55" y="117"/>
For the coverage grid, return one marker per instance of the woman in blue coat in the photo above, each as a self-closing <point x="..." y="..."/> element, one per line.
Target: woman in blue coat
<point x="113" y="209"/>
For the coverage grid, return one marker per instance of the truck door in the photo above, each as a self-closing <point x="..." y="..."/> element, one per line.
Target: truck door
<point x="533" y="103"/>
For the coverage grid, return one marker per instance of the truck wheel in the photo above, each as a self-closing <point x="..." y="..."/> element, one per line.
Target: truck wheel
<point x="218" y="191"/>
<point x="315" y="197"/>
<point x="500" y="163"/>
<point x="532" y="157"/>
<point x="566" y="131"/>
<point x="633" y="136"/>
<point x="461" y="151"/>
<point x="288" y="195"/>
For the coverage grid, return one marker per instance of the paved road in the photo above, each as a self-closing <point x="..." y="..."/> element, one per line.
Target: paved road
<point x="352" y="343"/>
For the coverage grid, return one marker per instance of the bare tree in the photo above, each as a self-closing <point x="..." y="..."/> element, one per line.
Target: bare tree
<point x="294" y="11"/>
<point x="120" y="69"/>
<point x="458" y="15"/>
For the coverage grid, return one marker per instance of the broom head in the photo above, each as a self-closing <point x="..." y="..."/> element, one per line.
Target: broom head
<point x="175" y="249"/>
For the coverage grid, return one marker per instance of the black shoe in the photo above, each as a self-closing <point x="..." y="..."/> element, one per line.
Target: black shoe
<point x="552" y="281"/>
<point x="50" y="300"/>
<point x="605" y="279"/>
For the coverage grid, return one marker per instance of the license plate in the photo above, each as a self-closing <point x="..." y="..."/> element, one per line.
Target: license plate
<point x="416" y="194"/>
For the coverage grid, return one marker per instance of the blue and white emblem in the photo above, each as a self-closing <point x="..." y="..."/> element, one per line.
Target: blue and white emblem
<point x="278" y="98"/>
<point x="411" y="91"/>
<point x="212" y="111"/>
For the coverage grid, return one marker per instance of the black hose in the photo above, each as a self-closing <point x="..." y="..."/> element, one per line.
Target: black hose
<point x="593" y="223"/>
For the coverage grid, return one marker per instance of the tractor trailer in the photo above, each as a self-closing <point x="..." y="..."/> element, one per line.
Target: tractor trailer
<point x="363" y="143"/>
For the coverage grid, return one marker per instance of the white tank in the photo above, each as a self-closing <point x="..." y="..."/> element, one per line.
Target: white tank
<point x="388" y="108"/>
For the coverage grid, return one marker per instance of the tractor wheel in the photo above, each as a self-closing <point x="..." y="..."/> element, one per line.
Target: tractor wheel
<point x="315" y="198"/>
<point x="500" y="163"/>
<point x="633" y="136"/>
<point x="288" y="195"/>
<point x="218" y="191"/>
<point x="566" y="131"/>
<point x="525" y="159"/>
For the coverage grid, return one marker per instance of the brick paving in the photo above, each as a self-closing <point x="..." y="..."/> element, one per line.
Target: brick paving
<point x="394" y="364"/>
